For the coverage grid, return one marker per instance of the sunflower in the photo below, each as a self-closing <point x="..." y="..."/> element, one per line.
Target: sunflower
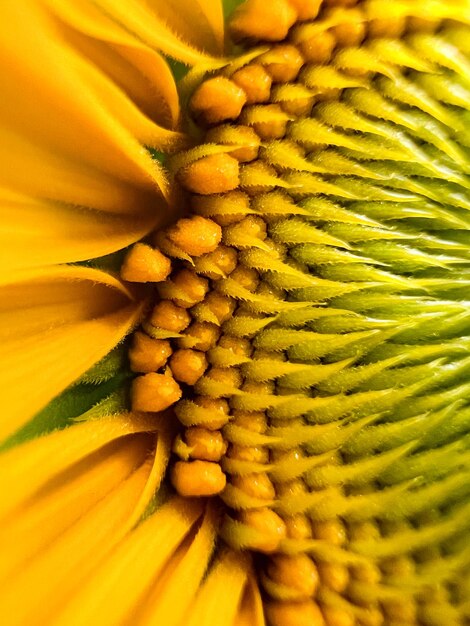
<point x="236" y="324"/>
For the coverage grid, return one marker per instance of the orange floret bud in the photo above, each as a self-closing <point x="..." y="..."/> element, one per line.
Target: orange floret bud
<point x="201" y="336"/>
<point x="230" y="376"/>
<point x="363" y="531"/>
<point x="283" y="63"/>
<point x="400" y="611"/>
<point x="300" y="107"/>
<point x="237" y="345"/>
<point x="251" y="226"/>
<point x="255" y="485"/>
<point x="298" y="527"/>
<point x="399" y="566"/>
<point x="294" y="99"/>
<point x="246" y="277"/>
<point x="192" y="286"/>
<point x="269" y="121"/>
<point x="195" y="235"/>
<point x="271" y="527"/>
<point x="217" y="264"/>
<point x="306" y="9"/>
<point x="154" y="392"/>
<point x="217" y="99"/>
<point x="251" y="454"/>
<point x="303" y="613"/>
<point x="367" y="573"/>
<point x="224" y="209"/>
<point x="206" y="445"/>
<point x="332" y="531"/>
<point x="328" y="95"/>
<point x="334" y="576"/>
<point x="239" y="135"/>
<point x="197" y="478"/>
<point x="251" y="20"/>
<point x="170" y="317"/>
<point x="374" y="616"/>
<point x="352" y="31"/>
<point x="315" y="47"/>
<point x="255" y="82"/>
<point x="292" y="488"/>
<point x="144" y="264"/>
<point x="218" y="408"/>
<point x="253" y="421"/>
<point x="286" y="456"/>
<point x="337" y="616"/>
<point x="147" y="354"/>
<point x="389" y="27"/>
<point x="297" y="572"/>
<point x="216" y="309"/>
<point x="216" y="173"/>
<point x="188" y="365"/>
<point x="259" y="388"/>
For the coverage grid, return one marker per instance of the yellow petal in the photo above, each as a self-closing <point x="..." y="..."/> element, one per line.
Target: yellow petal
<point x="61" y="106"/>
<point x="117" y="586"/>
<point x="251" y="609"/>
<point x="181" y="578"/>
<point x="127" y="114"/>
<point x="213" y="12"/>
<point x="55" y="323"/>
<point x="159" y="465"/>
<point x="148" y="26"/>
<point x="139" y="70"/>
<point x="42" y="232"/>
<point x="198" y="22"/>
<point x="75" y="128"/>
<point x="36" y="594"/>
<point x="37" y="463"/>
<point x="218" y="599"/>
<point x="43" y="518"/>
<point x="60" y="127"/>
<point x="59" y="177"/>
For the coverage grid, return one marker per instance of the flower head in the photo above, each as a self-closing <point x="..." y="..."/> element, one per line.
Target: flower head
<point x="289" y="444"/>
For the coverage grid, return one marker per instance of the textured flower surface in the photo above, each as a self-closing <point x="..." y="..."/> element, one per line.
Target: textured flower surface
<point x="284" y="438"/>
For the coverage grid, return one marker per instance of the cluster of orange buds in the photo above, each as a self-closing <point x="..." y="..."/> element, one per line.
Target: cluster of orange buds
<point x="169" y="351"/>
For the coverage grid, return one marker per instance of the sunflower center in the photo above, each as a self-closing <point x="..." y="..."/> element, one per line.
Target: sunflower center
<point x="311" y="329"/>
